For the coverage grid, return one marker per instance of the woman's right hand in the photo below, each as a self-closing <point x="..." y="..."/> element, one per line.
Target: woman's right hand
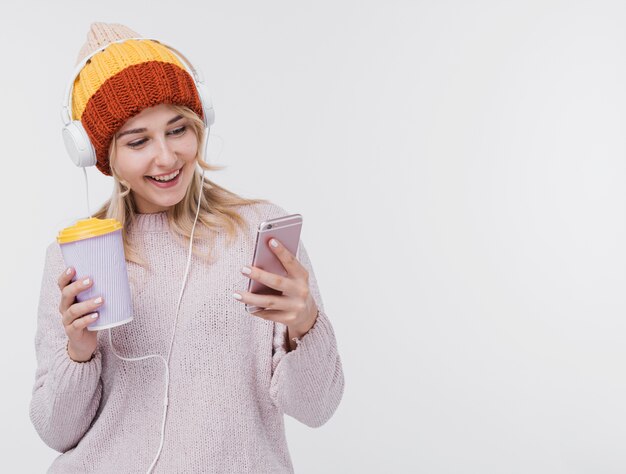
<point x="77" y="316"/>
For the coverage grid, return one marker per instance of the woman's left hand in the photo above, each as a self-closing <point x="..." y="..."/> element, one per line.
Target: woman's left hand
<point x="295" y="308"/>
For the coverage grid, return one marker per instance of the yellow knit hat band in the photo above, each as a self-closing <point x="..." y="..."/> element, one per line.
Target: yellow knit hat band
<point x="115" y="58"/>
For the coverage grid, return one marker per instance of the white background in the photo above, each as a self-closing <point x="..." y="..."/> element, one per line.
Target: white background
<point x="460" y="168"/>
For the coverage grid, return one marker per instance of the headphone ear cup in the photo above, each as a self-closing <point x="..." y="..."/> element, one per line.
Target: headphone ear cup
<point x="78" y="145"/>
<point x="207" y="103"/>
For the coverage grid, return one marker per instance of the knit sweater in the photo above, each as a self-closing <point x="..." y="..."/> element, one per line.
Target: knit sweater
<point x="232" y="376"/>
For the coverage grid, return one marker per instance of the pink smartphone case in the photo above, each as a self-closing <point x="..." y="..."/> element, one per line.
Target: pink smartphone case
<point x="287" y="231"/>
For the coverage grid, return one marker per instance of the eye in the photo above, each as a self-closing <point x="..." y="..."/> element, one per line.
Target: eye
<point x="137" y="144"/>
<point x="176" y="132"/>
<point x="179" y="130"/>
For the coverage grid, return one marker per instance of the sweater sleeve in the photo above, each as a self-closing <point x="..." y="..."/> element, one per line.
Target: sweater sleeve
<point x="308" y="382"/>
<point x="66" y="394"/>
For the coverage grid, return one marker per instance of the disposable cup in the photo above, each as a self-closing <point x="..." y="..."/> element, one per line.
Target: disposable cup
<point x="94" y="247"/>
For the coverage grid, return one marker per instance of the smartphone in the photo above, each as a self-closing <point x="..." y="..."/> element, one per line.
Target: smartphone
<point x="286" y="230"/>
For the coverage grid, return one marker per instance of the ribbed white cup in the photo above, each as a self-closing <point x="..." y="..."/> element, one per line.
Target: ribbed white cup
<point x="101" y="258"/>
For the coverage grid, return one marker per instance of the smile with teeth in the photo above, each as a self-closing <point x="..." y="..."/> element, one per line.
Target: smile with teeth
<point x="166" y="178"/>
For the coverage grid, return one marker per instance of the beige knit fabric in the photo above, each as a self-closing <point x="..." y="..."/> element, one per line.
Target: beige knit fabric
<point x="231" y="377"/>
<point x="101" y="34"/>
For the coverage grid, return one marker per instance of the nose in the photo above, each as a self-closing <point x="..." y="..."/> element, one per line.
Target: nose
<point x="165" y="154"/>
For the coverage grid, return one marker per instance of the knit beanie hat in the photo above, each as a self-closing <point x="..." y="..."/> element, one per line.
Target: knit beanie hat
<point x="122" y="80"/>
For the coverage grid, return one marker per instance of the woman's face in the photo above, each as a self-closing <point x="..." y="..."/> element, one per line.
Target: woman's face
<point x="155" y="155"/>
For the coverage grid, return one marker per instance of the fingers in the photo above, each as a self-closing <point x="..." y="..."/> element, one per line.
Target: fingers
<point x="81" y="323"/>
<point x="69" y="291"/>
<point x="74" y="315"/>
<point x="78" y="310"/>
<point x="65" y="278"/>
<point x="290" y="262"/>
<point x="291" y="305"/>
<point x="289" y="287"/>
<point x="269" y="302"/>
<point x="272" y="280"/>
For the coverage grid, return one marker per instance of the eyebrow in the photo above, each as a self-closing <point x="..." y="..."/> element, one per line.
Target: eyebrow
<point x="141" y="130"/>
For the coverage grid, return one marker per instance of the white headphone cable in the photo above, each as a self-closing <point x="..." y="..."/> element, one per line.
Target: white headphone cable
<point x="166" y="362"/>
<point x="87" y="191"/>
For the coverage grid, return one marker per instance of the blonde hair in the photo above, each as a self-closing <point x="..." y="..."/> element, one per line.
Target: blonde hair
<point x="216" y="209"/>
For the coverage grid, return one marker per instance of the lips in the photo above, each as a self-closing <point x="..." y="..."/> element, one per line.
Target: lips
<point x="166" y="184"/>
<point x="164" y="178"/>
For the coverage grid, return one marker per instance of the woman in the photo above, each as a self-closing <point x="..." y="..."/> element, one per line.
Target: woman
<point x="232" y="375"/>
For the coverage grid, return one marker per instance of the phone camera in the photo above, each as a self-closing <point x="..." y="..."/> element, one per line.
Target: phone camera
<point x="269" y="226"/>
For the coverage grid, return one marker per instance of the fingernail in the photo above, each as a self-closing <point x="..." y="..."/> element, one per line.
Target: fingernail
<point x="94" y="315"/>
<point x="237" y="296"/>
<point x="98" y="300"/>
<point x="273" y="243"/>
<point x="246" y="270"/>
<point x="68" y="271"/>
<point x="86" y="281"/>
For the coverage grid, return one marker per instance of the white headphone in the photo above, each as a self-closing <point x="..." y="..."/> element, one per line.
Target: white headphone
<point x="77" y="142"/>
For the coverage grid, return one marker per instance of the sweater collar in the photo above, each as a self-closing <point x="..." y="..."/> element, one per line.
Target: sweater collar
<point x="155" y="222"/>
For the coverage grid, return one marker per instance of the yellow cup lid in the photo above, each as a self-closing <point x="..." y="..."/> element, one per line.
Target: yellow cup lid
<point x="87" y="228"/>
